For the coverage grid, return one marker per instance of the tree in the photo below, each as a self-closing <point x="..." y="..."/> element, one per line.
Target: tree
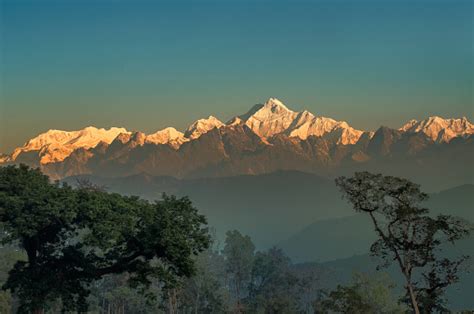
<point x="111" y="294"/>
<point x="73" y="237"/>
<point x="309" y="282"/>
<point x="239" y="255"/>
<point x="9" y="255"/>
<point x="273" y="287"/>
<point x="366" y="294"/>
<point x="407" y="234"/>
<point x="205" y="291"/>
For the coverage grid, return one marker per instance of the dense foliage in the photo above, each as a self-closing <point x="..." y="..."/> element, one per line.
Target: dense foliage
<point x="364" y="294"/>
<point x="73" y="237"/>
<point x="68" y="249"/>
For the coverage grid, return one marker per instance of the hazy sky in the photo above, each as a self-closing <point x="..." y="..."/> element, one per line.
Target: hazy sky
<point x="146" y="65"/>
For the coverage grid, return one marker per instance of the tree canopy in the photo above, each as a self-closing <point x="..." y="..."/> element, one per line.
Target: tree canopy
<point x="73" y="237"/>
<point x="408" y="235"/>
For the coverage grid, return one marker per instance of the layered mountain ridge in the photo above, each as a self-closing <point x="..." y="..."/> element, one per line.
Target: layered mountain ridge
<point x="269" y="137"/>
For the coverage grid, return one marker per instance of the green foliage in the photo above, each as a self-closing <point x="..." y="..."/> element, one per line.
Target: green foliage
<point x="72" y="248"/>
<point x="239" y="253"/>
<point x="366" y="294"/>
<point x="407" y="234"/>
<point x="273" y="288"/>
<point x="205" y="292"/>
<point x="9" y="255"/>
<point x="73" y="237"/>
<point x="111" y="294"/>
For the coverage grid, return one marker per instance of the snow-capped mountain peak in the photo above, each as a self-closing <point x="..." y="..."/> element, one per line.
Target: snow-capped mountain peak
<point x="56" y="145"/>
<point x="4" y="158"/>
<point x="309" y="125"/>
<point x="275" y="105"/>
<point x="234" y="121"/>
<point x="269" y="119"/>
<point x="274" y="118"/>
<point x="439" y="129"/>
<point x="167" y="136"/>
<point x="202" y="126"/>
<point x="407" y="126"/>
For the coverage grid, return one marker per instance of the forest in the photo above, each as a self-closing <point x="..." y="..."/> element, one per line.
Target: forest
<point x="83" y="249"/>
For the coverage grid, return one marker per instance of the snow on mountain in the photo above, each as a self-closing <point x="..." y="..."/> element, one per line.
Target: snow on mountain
<point x="137" y="139"/>
<point x="56" y="145"/>
<point x="306" y="124"/>
<point x="234" y="121"/>
<point x="439" y="129"/>
<point x="123" y="138"/>
<point x="4" y="158"/>
<point x="202" y="126"/>
<point x="274" y="117"/>
<point x="269" y="119"/>
<point x="169" y="136"/>
<point x="265" y="120"/>
<point x="409" y="125"/>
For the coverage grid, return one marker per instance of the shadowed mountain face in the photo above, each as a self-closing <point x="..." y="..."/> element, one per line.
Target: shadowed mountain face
<point x="237" y="150"/>
<point x="435" y="152"/>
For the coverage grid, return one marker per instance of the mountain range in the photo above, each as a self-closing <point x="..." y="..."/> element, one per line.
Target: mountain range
<point x="268" y="138"/>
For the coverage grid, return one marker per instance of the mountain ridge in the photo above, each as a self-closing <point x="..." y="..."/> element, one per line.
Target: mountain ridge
<point x="267" y="138"/>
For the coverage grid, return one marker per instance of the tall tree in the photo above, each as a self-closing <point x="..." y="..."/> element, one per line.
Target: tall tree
<point x="75" y="236"/>
<point x="273" y="288"/>
<point x="407" y="234"/>
<point x="239" y="255"/>
<point x="205" y="292"/>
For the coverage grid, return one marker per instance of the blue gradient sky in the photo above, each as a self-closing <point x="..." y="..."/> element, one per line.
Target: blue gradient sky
<point x="146" y="65"/>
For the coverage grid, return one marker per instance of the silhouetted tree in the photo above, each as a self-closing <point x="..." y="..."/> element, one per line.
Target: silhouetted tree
<point x="407" y="234"/>
<point x="205" y="291"/>
<point x="86" y="184"/>
<point x="273" y="286"/>
<point x="73" y="237"/>
<point x="239" y="255"/>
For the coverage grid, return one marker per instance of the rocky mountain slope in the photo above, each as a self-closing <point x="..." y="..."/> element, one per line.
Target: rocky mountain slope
<point x="269" y="137"/>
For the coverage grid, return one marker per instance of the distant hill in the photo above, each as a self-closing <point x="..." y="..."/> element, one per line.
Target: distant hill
<point x="353" y="235"/>
<point x="269" y="207"/>
<point x="458" y="201"/>
<point x="330" y="239"/>
<point x="459" y="295"/>
<point x="300" y="212"/>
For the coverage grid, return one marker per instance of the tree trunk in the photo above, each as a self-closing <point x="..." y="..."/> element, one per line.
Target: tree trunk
<point x="196" y="307"/>
<point x="414" y="303"/>
<point x="403" y="266"/>
<point x="237" y="288"/>
<point x="407" y="272"/>
<point x="172" y="302"/>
